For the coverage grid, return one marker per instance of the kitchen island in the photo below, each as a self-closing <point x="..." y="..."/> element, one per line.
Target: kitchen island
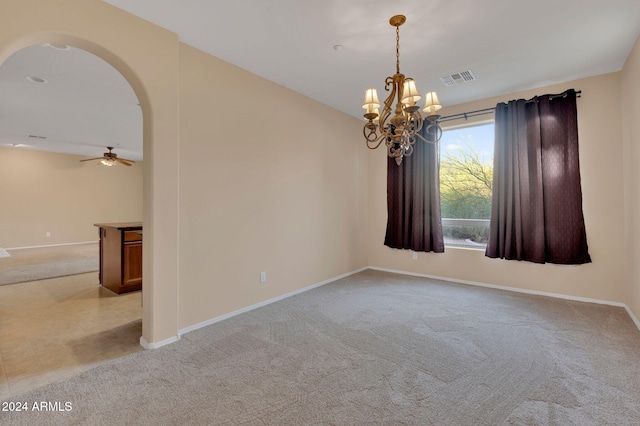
<point x="121" y="256"/>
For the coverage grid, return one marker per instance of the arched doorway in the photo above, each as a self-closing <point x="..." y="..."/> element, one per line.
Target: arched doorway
<point x="148" y="58"/>
<point x="62" y="100"/>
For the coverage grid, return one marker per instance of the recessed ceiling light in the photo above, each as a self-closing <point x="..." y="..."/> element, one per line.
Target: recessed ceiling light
<point x="35" y="79"/>
<point x="58" y="46"/>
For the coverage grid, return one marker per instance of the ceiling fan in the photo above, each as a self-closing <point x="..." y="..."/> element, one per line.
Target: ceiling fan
<point x="111" y="159"/>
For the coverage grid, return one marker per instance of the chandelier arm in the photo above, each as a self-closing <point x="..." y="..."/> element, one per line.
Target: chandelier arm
<point x="416" y="122"/>
<point x="371" y="142"/>
<point x="423" y="139"/>
<point x="371" y="135"/>
<point x="388" y="82"/>
<point x="382" y="122"/>
<point x="435" y="141"/>
<point x="388" y="103"/>
<point x="386" y="112"/>
<point x="434" y="130"/>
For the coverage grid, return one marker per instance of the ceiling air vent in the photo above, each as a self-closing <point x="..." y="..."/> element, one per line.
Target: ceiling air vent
<point x="37" y="137"/>
<point x="458" y="78"/>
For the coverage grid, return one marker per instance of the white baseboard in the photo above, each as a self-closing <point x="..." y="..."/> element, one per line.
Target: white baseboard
<point x="156" y="345"/>
<point x="53" y="245"/>
<point x="516" y="290"/>
<point x="633" y="317"/>
<point x="266" y="302"/>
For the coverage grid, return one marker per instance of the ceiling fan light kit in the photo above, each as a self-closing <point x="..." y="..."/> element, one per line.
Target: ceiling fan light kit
<point x="400" y="132"/>
<point x="110" y="159"/>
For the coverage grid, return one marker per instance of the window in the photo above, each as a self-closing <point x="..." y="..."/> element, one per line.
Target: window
<point x="466" y="177"/>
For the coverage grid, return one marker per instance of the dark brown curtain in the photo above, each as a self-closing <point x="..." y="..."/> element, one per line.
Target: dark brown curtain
<point x="536" y="211"/>
<point x="413" y="201"/>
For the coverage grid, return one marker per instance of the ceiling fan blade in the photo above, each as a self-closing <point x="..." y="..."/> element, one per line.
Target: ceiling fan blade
<point x="91" y="159"/>
<point x="123" y="161"/>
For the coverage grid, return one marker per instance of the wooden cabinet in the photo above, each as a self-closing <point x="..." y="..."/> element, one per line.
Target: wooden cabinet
<point x="121" y="256"/>
<point x="132" y="268"/>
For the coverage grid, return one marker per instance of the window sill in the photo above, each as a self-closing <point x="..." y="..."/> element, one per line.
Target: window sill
<point x="480" y="248"/>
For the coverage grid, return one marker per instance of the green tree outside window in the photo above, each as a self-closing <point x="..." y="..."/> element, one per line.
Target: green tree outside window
<point x="466" y="176"/>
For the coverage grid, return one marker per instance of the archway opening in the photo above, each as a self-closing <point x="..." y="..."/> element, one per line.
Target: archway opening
<point x="61" y="104"/>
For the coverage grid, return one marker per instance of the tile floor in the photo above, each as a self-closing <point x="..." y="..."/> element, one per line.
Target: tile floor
<point x="56" y="328"/>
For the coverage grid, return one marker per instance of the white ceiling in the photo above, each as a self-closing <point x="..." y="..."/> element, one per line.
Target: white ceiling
<point x="84" y="106"/>
<point x="509" y="45"/>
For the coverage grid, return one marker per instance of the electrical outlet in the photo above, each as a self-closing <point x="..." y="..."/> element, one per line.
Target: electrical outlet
<point x="263" y="277"/>
<point x="48" y="234"/>
<point x="415" y="256"/>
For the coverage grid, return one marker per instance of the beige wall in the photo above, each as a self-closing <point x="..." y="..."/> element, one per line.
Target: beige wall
<point x="270" y="181"/>
<point x="49" y="192"/>
<point x="294" y="204"/>
<point x="600" y="141"/>
<point x="631" y="138"/>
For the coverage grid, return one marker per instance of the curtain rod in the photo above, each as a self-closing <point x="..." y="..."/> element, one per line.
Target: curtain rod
<point x="484" y="111"/>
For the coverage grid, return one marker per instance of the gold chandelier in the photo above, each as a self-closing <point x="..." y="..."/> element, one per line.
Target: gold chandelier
<point x="400" y="132"/>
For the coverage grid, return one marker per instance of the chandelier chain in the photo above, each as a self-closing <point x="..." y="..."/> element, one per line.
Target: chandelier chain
<point x="397" y="50"/>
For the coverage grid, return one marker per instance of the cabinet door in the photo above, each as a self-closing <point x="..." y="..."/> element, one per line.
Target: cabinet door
<point x="132" y="270"/>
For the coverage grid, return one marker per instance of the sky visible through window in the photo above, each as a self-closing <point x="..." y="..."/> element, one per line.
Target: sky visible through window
<point x="480" y="137"/>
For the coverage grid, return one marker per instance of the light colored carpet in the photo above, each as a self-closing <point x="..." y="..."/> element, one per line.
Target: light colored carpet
<point x="41" y="263"/>
<point x="373" y="349"/>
